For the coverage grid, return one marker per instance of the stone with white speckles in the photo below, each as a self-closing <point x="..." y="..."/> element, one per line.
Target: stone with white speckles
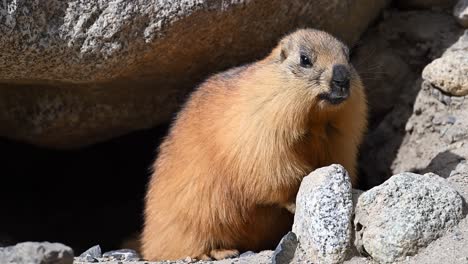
<point x="322" y="221"/>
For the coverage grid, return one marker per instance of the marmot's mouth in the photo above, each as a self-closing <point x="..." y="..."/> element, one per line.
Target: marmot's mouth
<point x="333" y="97"/>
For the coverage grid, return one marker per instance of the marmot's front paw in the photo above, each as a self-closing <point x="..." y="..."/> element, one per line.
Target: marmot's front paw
<point x="219" y="254"/>
<point x="291" y="207"/>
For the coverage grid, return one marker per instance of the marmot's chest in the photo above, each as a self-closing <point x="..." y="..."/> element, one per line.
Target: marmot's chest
<point x="319" y="144"/>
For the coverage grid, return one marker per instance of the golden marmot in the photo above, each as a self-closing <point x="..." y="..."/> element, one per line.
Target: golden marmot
<point x="236" y="154"/>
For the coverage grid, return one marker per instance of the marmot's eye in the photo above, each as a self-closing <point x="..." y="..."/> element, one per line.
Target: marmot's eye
<point x="305" y="61"/>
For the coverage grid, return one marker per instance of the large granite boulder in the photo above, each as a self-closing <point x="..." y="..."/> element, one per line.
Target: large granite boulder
<point x="78" y="72"/>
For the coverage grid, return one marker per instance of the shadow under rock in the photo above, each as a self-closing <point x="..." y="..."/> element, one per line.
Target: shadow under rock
<point x="79" y="197"/>
<point x="442" y="164"/>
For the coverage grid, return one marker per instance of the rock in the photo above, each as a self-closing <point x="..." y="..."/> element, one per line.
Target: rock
<point x="460" y="11"/>
<point x="403" y="214"/>
<point x="94" y="70"/>
<point x="285" y="250"/>
<point x="122" y="254"/>
<point x="92" y="254"/>
<point x="449" y="73"/>
<point x="37" y="253"/>
<point x="322" y="221"/>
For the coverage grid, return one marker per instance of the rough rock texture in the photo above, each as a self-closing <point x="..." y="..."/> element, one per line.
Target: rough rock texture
<point x="460" y="11"/>
<point x="322" y="221"/>
<point x="36" y="253"/>
<point x="77" y="72"/>
<point x="406" y="212"/>
<point x="412" y="40"/>
<point x="449" y="73"/>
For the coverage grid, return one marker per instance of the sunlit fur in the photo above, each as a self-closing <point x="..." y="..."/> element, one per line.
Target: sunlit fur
<point x="238" y="149"/>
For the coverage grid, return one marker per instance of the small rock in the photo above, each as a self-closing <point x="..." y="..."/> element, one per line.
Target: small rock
<point x="91" y="255"/>
<point x="285" y="250"/>
<point x="322" y="221"/>
<point x="406" y="212"/>
<point x="448" y="73"/>
<point x="460" y="11"/>
<point x="36" y="253"/>
<point x="122" y="254"/>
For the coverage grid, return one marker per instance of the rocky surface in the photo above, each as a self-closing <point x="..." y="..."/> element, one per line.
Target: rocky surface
<point x="79" y="72"/>
<point x="36" y="253"/>
<point x="322" y="221"/>
<point x="403" y="214"/>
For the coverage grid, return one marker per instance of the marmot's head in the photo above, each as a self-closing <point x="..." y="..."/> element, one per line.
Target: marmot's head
<point x="318" y="64"/>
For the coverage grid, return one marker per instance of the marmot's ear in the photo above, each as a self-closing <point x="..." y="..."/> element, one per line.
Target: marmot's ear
<point x="283" y="50"/>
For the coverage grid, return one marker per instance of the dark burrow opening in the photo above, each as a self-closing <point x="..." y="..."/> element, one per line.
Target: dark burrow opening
<point x="78" y="197"/>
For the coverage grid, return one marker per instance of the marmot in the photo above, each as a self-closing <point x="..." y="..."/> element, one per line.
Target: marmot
<point x="236" y="153"/>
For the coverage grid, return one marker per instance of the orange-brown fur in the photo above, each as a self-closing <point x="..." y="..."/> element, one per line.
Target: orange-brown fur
<point x="237" y="152"/>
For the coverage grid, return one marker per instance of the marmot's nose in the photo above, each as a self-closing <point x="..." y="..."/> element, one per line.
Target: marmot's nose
<point x="340" y="77"/>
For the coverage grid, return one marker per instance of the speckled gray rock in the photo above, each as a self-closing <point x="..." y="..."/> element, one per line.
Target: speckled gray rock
<point x="403" y="214"/>
<point x="36" y="253"/>
<point x="460" y="11"/>
<point x="322" y="221"/>
<point x="449" y="73"/>
<point x="77" y="72"/>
